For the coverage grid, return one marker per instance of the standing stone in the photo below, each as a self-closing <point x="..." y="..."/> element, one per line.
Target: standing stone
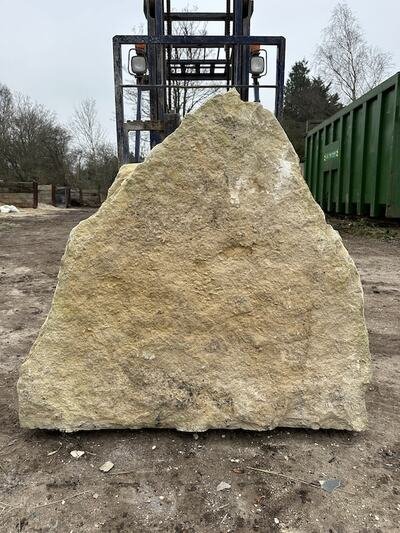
<point x="206" y="292"/>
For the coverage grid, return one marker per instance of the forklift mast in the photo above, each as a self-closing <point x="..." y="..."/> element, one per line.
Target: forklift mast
<point x="220" y="62"/>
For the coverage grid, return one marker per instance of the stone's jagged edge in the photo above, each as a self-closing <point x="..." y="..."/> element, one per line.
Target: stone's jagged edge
<point x="204" y="232"/>
<point x="126" y="171"/>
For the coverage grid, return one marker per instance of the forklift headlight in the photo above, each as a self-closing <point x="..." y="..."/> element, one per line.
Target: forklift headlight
<point x="257" y="65"/>
<point x="138" y="65"/>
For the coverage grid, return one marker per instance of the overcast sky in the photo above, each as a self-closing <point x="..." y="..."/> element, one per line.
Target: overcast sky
<point x="60" y="52"/>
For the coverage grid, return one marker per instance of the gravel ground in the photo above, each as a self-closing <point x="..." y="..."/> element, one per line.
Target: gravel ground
<point x="167" y="481"/>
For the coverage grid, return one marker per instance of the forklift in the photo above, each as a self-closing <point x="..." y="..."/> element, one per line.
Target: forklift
<point x="153" y="66"/>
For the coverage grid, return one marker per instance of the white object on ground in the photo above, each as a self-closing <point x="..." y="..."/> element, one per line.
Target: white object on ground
<point x="107" y="466"/>
<point x="329" y="485"/>
<point x="8" y="209"/>
<point x="223" y="486"/>
<point x="77" y="453"/>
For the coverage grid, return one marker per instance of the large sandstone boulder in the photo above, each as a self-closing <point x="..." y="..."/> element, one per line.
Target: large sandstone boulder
<point x="206" y="292"/>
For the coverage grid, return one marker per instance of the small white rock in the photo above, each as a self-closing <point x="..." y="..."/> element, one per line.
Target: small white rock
<point x="107" y="466"/>
<point x="223" y="486"/>
<point x="153" y="447"/>
<point x="95" y="495"/>
<point x="8" y="209"/>
<point x="77" y="453"/>
<point x="276" y="520"/>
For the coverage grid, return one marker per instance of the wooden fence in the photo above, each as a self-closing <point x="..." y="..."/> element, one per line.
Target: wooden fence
<point x="30" y="194"/>
<point x="47" y="194"/>
<point x="19" y="193"/>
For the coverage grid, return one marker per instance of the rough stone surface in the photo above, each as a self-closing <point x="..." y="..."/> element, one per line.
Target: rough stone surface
<point x="206" y="292"/>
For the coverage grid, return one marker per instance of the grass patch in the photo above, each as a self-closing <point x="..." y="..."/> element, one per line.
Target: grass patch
<point x="363" y="227"/>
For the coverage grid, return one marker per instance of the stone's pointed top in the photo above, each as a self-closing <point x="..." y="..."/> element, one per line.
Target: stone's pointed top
<point x="226" y="94"/>
<point x="206" y="292"/>
<point x="222" y="133"/>
<point x="229" y="99"/>
<point x="232" y="98"/>
<point x="231" y="95"/>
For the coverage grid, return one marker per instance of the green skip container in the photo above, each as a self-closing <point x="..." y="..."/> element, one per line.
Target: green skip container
<point x="352" y="161"/>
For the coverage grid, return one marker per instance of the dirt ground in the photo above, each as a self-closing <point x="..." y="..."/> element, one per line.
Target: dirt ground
<point x="167" y="481"/>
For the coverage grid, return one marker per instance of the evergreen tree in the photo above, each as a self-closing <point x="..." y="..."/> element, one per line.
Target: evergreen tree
<point x="306" y="99"/>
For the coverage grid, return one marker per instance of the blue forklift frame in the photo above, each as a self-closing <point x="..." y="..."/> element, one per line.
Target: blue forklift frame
<point x="162" y="70"/>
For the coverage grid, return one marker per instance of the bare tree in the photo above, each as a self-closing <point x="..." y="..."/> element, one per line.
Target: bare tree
<point x="6" y="116"/>
<point x="32" y="143"/>
<point x="88" y="133"/>
<point x="6" y="107"/>
<point x="94" y="160"/>
<point x="184" y="97"/>
<point x="346" y="60"/>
